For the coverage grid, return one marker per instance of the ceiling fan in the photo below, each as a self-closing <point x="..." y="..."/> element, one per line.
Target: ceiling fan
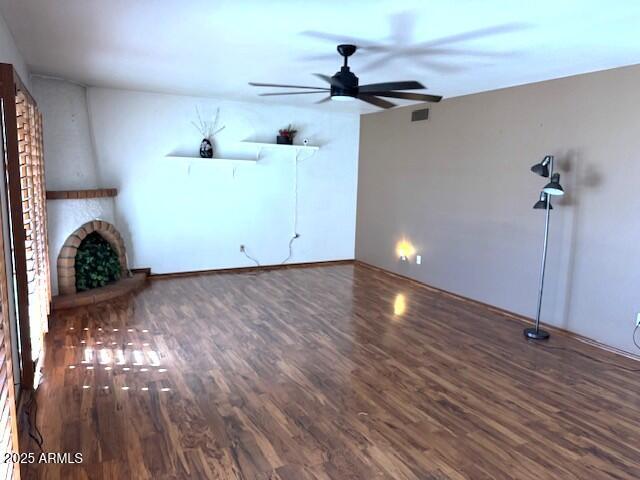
<point x="344" y="86"/>
<point x="436" y="54"/>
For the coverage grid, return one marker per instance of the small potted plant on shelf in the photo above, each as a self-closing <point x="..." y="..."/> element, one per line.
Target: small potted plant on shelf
<point x="286" y="135"/>
<point x="208" y="130"/>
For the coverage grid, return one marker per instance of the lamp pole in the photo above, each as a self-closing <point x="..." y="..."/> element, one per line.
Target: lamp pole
<point x="541" y="334"/>
<point x="536" y="333"/>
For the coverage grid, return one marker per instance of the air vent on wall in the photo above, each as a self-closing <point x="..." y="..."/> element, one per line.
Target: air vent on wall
<point x="420" y="115"/>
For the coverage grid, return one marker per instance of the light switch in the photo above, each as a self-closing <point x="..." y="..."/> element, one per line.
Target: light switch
<point x="418" y="259"/>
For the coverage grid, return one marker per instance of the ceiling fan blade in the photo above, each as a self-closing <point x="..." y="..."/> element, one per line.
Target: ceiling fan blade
<point x="255" y="84"/>
<point x="322" y="57"/>
<point x="383" y="59"/>
<point x="324" y="77"/>
<point x="325" y="99"/>
<point x="409" y="96"/>
<point x="360" y="42"/>
<point x="328" y="79"/>
<point x="402" y="27"/>
<point x="378" y="102"/>
<point x="473" y="34"/>
<point x="421" y="57"/>
<point x="376" y="87"/>
<point x="408" y="52"/>
<point x="270" y="94"/>
<point x="439" y="67"/>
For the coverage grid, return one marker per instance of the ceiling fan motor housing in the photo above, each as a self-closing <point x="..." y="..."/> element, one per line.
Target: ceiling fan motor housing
<point x="344" y="83"/>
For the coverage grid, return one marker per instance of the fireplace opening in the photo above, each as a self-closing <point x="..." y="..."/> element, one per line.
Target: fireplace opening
<point x="97" y="263"/>
<point x="96" y="266"/>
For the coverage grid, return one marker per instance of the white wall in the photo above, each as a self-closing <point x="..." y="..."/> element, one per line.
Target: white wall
<point x="9" y="52"/>
<point x="179" y="215"/>
<point x="70" y="162"/>
<point x="458" y="186"/>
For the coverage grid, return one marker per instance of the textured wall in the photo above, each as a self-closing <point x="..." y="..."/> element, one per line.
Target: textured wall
<point x="458" y="186"/>
<point x="70" y="159"/>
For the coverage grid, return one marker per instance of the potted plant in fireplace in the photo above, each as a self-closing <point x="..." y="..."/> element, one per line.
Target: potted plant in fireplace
<point x="286" y="135"/>
<point x="208" y="130"/>
<point x="96" y="263"/>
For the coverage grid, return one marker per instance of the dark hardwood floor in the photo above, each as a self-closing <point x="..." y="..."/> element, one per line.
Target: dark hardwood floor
<point x="317" y="373"/>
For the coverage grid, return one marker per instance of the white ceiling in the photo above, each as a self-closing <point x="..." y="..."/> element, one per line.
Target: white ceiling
<point x="214" y="48"/>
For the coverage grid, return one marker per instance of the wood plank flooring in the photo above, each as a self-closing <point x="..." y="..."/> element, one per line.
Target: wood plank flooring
<point x="334" y="372"/>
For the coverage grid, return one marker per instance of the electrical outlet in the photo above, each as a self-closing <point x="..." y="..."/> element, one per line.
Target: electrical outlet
<point x="242" y="248"/>
<point x="418" y="259"/>
<point x="638" y="320"/>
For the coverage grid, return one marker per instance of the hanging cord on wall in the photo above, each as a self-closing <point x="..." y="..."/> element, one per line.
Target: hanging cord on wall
<point x="291" y="240"/>
<point x="296" y="235"/>
<point x="243" y="249"/>
<point x="30" y="413"/>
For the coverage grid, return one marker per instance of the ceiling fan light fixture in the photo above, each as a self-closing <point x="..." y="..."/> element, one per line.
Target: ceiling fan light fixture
<point x="342" y="98"/>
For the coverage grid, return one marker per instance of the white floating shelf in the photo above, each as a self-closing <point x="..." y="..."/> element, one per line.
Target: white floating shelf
<point x="282" y="146"/>
<point x="216" y="161"/>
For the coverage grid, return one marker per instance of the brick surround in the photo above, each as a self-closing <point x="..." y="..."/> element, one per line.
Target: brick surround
<point x="67" y="256"/>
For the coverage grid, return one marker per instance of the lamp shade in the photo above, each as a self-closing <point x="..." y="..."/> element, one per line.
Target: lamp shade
<point x="542" y="168"/>
<point x="554" y="187"/>
<point x="542" y="203"/>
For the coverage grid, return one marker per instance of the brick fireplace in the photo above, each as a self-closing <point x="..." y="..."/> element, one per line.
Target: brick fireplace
<point x="66" y="258"/>
<point x="73" y="215"/>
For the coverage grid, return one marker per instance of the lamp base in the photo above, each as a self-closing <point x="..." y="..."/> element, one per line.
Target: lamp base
<point x="536" y="334"/>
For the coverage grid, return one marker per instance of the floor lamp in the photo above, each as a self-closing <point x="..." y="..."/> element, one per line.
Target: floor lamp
<point x="553" y="188"/>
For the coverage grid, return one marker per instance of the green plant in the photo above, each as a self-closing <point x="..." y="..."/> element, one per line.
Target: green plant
<point x="96" y="263"/>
